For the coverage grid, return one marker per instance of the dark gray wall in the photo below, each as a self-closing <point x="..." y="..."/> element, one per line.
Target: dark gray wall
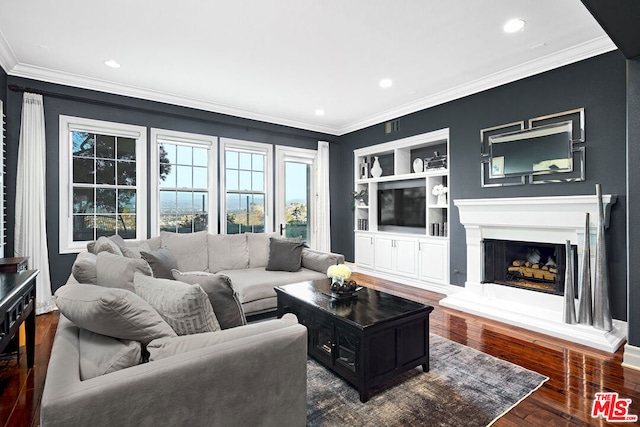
<point x="597" y="84"/>
<point x="633" y="194"/>
<point x="3" y="85"/>
<point x="101" y="106"/>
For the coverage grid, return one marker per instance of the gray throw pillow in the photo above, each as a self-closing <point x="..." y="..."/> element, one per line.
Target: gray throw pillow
<point x="107" y="244"/>
<point x="100" y="354"/>
<point x="284" y="255"/>
<point x="222" y="296"/>
<point x="113" y="312"/>
<point x="161" y="261"/>
<point x="84" y="268"/>
<point x="186" y="308"/>
<point x="115" y="271"/>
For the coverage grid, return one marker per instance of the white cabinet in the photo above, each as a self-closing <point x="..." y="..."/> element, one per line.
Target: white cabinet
<point x="364" y="250"/>
<point x="433" y="258"/>
<point x="418" y="252"/>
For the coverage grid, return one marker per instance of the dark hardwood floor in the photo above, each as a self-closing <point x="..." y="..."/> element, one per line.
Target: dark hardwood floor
<point x="575" y="372"/>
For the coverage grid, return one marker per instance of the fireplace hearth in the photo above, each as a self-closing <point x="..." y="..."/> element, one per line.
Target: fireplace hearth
<point x="534" y="266"/>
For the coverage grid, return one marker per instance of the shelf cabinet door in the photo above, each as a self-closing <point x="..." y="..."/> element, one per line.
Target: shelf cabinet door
<point x="406" y="257"/>
<point x="364" y="250"/>
<point x="383" y="253"/>
<point x="433" y="257"/>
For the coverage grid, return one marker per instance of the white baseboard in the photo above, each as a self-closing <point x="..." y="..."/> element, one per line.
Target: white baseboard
<point x="631" y="358"/>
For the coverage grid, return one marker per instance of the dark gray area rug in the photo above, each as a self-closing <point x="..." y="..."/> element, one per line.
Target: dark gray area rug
<point x="464" y="387"/>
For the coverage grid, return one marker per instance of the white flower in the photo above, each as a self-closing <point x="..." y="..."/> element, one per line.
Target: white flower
<point x="339" y="271"/>
<point x="439" y="189"/>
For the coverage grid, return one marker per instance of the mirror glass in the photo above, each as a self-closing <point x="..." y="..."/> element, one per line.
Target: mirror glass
<point x="537" y="151"/>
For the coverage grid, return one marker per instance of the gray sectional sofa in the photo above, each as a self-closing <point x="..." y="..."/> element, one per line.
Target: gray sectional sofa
<point x="241" y="257"/>
<point x="120" y="356"/>
<point x="245" y="376"/>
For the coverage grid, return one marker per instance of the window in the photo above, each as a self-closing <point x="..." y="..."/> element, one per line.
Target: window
<point x="102" y="181"/>
<point x="296" y="194"/>
<point x="247" y="183"/>
<point x="183" y="178"/>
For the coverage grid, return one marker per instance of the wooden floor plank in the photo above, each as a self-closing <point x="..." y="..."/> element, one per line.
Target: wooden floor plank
<point x="575" y="372"/>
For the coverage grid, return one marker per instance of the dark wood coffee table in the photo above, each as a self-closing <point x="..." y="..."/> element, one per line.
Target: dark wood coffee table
<point x="367" y="339"/>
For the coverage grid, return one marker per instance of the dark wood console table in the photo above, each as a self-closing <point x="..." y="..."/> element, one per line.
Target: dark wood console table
<point x="17" y="305"/>
<point x="368" y="339"/>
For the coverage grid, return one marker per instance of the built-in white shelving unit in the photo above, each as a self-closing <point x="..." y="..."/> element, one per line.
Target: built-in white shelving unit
<point x="417" y="256"/>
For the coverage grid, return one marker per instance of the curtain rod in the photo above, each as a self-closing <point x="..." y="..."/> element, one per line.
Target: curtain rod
<point x="16" y="88"/>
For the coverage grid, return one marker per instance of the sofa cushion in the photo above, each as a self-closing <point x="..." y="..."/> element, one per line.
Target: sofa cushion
<point x="84" y="268"/>
<point x="258" y="247"/>
<point x="107" y="244"/>
<point x="161" y="262"/>
<point x="115" y="271"/>
<point x="131" y="251"/>
<point x="227" y="252"/>
<point x="154" y="243"/>
<point x="320" y="261"/>
<point x="284" y="255"/>
<point x="222" y="296"/>
<point x="117" y="313"/>
<point x="257" y="283"/>
<point x="190" y="249"/>
<point x="186" y="308"/>
<point x="167" y="347"/>
<point x="100" y="354"/>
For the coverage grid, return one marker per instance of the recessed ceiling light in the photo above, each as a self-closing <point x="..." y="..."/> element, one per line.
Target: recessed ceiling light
<point x="385" y="83"/>
<point x="112" y="63"/>
<point x="513" y="25"/>
<point x="319" y="112"/>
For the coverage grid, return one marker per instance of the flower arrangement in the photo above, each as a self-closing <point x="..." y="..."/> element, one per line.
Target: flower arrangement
<point x="339" y="271"/>
<point x="439" y="190"/>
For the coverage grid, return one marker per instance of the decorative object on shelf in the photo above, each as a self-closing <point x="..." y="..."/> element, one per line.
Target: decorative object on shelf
<point x="601" y="306"/>
<point x="585" y="316"/>
<point x="376" y="169"/>
<point x="569" y="309"/>
<point x="436" y="162"/>
<point x="418" y="165"/>
<point x="340" y="287"/>
<point x="438" y="229"/>
<point x="440" y="191"/>
<point x="361" y="197"/>
<point x="364" y="169"/>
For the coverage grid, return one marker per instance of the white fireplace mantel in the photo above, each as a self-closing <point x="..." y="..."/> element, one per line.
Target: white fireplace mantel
<point x="529" y="219"/>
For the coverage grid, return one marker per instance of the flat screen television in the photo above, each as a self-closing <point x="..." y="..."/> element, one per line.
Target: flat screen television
<point x="403" y="206"/>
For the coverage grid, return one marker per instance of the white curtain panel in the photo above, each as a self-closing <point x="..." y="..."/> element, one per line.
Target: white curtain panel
<point x="323" y="211"/>
<point x="30" y="225"/>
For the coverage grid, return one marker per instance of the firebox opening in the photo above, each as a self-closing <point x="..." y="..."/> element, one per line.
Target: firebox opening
<point x="530" y="265"/>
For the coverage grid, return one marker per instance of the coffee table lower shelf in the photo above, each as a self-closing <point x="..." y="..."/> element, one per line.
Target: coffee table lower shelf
<point x="365" y="356"/>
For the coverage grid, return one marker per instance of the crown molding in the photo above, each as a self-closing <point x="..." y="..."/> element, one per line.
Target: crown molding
<point x="568" y="56"/>
<point x="7" y="58"/>
<point x="68" y="79"/>
<point x="564" y="57"/>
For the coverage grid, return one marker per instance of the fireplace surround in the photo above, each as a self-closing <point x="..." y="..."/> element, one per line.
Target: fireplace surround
<point x="547" y="220"/>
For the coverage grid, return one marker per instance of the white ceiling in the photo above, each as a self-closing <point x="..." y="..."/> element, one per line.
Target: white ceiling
<point x="281" y="60"/>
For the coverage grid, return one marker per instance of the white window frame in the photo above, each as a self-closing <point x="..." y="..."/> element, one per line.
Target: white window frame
<point x="67" y="124"/>
<point x="300" y="155"/>
<point x="195" y="140"/>
<point x="240" y="145"/>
